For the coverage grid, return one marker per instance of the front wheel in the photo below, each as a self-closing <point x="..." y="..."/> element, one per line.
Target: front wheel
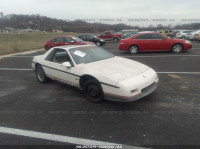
<point x="98" y="43"/>
<point x="93" y="91"/>
<point x="177" y="48"/>
<point x="133" y="49"/>
<point x="41" y="76"/>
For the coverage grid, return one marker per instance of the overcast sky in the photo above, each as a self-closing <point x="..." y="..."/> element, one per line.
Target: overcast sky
<point x="103" y="10"/>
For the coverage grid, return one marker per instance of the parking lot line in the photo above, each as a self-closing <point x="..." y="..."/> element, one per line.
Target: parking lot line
<point x="61" y="138"/>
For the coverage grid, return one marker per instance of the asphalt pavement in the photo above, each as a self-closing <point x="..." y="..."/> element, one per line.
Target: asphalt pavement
<point x="169" y="116"/>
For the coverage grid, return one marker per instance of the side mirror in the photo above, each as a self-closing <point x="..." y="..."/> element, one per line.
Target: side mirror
<point x="164" y="38"/>
<point x="72" y="41"/>
<point x="66" y="64"/>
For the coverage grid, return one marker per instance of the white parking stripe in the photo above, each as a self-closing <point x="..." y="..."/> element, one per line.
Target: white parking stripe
<point x="16" y="69"/>
<point x="60" y="138"/>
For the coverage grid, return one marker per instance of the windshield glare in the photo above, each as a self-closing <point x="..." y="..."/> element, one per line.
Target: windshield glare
<point x="89" y="54"/>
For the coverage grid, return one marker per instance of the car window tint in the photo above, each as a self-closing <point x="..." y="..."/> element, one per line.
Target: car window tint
<point x="67" y="39"/>
<point x="90" y="37"/>
<point x="60" y="56"/>
<point x="58" y="40"/>
<point x="83" y="37"/>
<point x="144" y="36"/>
<point x="157" y="36"/>
<point x="103" y="34"/>
<point x="107" y="33"/>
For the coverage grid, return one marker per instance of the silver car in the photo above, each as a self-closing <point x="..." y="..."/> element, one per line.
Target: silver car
<point x="191" y="35"/>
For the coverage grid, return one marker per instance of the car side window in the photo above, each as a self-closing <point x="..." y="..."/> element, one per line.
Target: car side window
<point x="107" y="33"/>
<point x="157" y="36"/>
<point x="144" y="36"/>
<point x="58" y="40"/>
<point x="90" y="37"/>
<point x="67" y="40"/>
<point x="103" y="34"/>
<point x="60" y="56"/>
<point x="83" y="37"/>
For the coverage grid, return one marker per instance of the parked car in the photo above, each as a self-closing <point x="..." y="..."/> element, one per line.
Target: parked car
<point x="110" y="35"/>
<point x="127" y="35"/>
<point x="66" y="40"/>
<point x="97" y="72"/>
<point x="191" y="35"/>
<point x="197" y="37"/>
<point x="94" y="39"/>
<point x="174" y="32"/>
<point x="153" y="42"/>
<point x="183" y="34"/>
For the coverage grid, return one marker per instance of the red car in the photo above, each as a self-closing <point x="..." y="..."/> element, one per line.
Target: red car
<point x="110" y="35"/>
<point x="66" y="40"/>
<point x="153" y="42"/>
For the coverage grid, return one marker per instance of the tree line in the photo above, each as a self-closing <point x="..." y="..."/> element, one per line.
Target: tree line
<point x="43" y="23"/>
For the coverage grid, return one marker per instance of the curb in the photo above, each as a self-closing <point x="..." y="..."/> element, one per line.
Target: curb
<point x="22" y="53"/>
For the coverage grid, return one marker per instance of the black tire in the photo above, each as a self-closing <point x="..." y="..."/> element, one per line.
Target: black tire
<point x="40" y="74"/>
<point x="177" y="48"/>
<point x="134" y="49"/>
<point x="115" y="39"/>
<point x="93" y="91"/>
<point x="98" y="43"/>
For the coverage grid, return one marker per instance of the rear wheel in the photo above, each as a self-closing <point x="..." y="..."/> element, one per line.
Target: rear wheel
<point x="133" y="49"/>
<point x="177" y="48"/>
<point x="41" y="76"/>
<point x="93" y="91"/>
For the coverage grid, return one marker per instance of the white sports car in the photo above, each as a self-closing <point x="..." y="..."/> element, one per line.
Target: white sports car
<point x="98" y="73"/>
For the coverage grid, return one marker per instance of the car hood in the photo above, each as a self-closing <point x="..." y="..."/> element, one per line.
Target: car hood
<point x="117" y="68"/>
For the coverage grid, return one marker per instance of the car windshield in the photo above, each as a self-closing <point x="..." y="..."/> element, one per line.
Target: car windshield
<point x="89" y="54"/>
<point x="77" y="39"/>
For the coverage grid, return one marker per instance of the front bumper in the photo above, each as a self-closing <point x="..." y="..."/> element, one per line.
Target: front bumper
<point x="144" y="92"/>
<point x="187" y="46"/>
<point x="133" y="88"/>
<point x="123" y="47"/>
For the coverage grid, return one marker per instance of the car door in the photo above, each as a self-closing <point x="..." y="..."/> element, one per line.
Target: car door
<point x="161" y="43"/>
<point x="108" y="36"/>
<point x="59" y="41"/>
<point x="68" y="41"/>
<point x="54" y="69"/>
<point x="145" y="42"/>
<point x="90" y="38"/>
<point x="83" y="37"/>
